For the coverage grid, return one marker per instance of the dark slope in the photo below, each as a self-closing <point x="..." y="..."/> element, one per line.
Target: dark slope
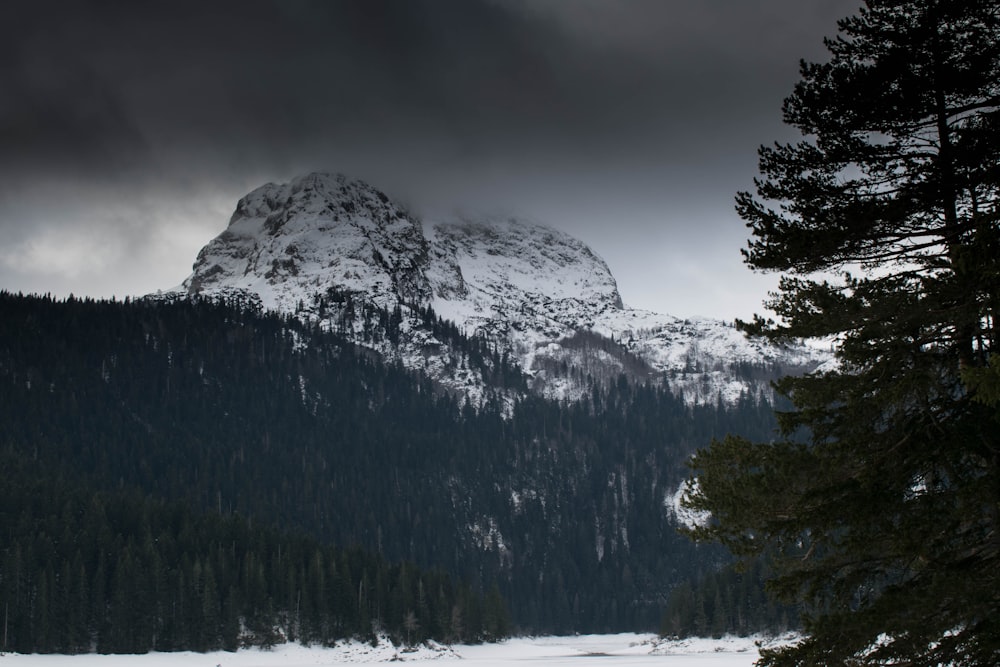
<point x="235" y="411"/>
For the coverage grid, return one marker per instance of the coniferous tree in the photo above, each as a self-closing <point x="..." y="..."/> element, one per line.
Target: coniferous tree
<point x="882" y="499"/>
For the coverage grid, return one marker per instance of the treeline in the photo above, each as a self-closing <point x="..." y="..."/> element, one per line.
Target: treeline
<point x="235" y="411"/>
<point x="121" y="573"/>
<point x="727" y="601"/>
<point x="361" y="320"/>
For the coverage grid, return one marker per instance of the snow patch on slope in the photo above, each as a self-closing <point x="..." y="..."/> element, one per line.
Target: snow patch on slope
<point x="685" y="516"/>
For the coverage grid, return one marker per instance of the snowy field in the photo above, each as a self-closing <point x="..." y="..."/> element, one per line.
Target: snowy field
<point x="629" y="650"/>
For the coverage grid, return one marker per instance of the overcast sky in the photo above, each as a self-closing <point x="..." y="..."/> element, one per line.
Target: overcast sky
<point x="128" y="130"/>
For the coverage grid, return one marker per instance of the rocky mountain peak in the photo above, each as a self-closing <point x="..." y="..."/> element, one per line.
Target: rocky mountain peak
<point x="289" y="241"/>
<point x="319" y="196"/>
<point x="323" y="243"/>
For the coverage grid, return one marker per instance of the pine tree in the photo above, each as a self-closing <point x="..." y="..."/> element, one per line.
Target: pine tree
<point x="882" y="497"/>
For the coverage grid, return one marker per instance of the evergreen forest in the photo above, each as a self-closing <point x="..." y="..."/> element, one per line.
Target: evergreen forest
<point x="201" y="474"/>
<point x="119" y="572"/>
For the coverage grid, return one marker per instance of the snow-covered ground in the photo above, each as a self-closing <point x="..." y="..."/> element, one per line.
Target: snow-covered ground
<point x="630" y="650"/>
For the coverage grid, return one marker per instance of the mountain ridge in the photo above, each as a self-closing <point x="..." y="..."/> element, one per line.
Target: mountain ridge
<point x="529" y="290"/>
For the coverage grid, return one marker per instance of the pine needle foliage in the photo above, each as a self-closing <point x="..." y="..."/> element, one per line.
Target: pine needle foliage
<point x="879" y="500"/>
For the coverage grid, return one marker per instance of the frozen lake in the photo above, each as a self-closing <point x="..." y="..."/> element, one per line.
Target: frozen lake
<point x="631" y="650"/>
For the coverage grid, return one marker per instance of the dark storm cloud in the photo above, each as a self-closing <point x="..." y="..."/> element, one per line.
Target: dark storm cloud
<point x="614" y="119"/>
<point x="57" y="112"/>
<point x="105" y="82"/>
<point x="92" y="82"/>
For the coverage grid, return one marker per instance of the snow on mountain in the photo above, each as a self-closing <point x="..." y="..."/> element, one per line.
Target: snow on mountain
<point x="512" y="270"/>
<point x="322" y="244"/>
<point x="288" y="242"/>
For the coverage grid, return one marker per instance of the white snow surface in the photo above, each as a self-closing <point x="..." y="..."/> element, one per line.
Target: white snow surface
<point x="525" y="287"/>
<point x="631" y="650"/>
<point x="289" y="242"/>
<point x="506" y="271"/>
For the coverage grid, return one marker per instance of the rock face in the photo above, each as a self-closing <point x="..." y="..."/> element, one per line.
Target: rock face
<point x="325" y="246"/>
<point x="289" y="242"/>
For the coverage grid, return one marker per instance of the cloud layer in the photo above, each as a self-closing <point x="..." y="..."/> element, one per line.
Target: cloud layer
<point x="127" y="128"/>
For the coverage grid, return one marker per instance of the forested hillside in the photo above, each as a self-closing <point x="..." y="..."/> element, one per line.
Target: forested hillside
<point x="119" y="572"/>
<point x="257" y="418"/>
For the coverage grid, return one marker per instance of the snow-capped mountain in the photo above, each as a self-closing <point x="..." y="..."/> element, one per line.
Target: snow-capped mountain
<point x="325" y="247"/>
